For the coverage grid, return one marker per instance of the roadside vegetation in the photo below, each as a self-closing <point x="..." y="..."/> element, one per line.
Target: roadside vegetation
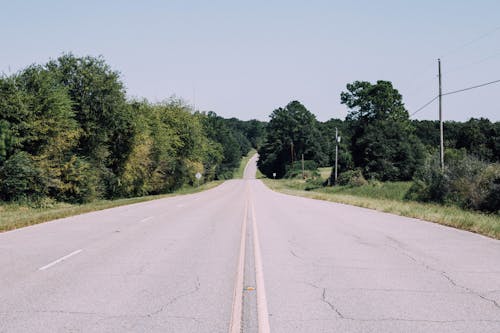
<point x="17" y="215"/>
<point x="387" y="161"/>
<point x="238" y="174"/>
<point x="69" y="134"/>
<point x="71" y="142"/>
<point x="390" y="197"/>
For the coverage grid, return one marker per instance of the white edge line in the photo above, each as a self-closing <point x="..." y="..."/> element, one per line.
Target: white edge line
<point x="262" y="312"/>
<point x="235" y="324"/>
<point x="60" y="259"/>
<point x="147" y="219"/>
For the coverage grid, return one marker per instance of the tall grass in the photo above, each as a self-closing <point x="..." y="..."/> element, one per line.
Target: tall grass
<point x="15" y="215"/>
<point x="389" y="197"/>
<point x="238" y="174"/>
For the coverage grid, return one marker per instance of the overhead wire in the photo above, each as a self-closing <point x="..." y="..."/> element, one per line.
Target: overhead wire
<point x="488" y="33"/>
<point x="451" y="93"/>
<point x="470" y="88"/>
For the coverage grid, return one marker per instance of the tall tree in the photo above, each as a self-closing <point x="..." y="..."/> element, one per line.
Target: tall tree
<point x="100" y="107"/>
<point x="291" y="132"/>
<point x="383" y="143"/>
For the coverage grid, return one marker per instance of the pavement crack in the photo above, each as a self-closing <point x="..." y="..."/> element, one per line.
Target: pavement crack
<point x="176" y="298"/>
<point x="324" y="300"/>
<point x="310" y="284"/>
<point x="295" y="254"/>
<point x="399" y="247"/>
<point x="469" y="290"/>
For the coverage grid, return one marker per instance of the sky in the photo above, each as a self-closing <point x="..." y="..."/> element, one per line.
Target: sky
<point x="244" y="59"/>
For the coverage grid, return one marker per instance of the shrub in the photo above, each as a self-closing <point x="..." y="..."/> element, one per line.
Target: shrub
<point x="310" y="170"/>
<point x="312" y="184"/>
<point x="352" y="178"/>
<point x="466" y="182"/>
<point x="20" y="178"/>
<point x="490" y="183"/>
<point x="80" y="183"/>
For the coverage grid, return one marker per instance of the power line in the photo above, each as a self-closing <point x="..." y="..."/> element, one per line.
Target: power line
<point x="424" y="106"/>
<point x="470" y="88"/>
<point x="471" y="42"/>
<point x="454" y="50"/>
<point x="451" y="93"/>
<point x="465" y="66"/>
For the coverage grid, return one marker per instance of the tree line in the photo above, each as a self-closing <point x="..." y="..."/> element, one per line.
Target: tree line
<point x="68" y="133"/>
<point x="380" y="142"/>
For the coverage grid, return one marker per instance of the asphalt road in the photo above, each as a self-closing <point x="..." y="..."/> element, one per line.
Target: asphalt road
<point x="244" y="258"/>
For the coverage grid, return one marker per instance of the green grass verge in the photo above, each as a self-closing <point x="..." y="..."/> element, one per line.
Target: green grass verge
<point x="388" y="197"/>
<point x="238" y="174"/>
<point x="13" y="216"/>
<point x="325" y="172"/>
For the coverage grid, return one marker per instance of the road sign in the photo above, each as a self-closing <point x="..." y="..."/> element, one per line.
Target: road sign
<point x="198" y="175"/>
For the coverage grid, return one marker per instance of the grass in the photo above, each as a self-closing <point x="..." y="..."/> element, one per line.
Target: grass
<point x="238" y="174"/>
<point x="13" y="216"/>
<point x="325" y="172"/>
<point x="388" y="197"/>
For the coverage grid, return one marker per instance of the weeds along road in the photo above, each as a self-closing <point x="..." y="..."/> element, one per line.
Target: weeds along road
<point x="243" y="258"/>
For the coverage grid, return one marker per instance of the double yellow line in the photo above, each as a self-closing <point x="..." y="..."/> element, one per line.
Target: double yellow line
<point x="237" y="311"/>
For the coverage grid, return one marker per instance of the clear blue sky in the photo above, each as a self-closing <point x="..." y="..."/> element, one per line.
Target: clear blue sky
<point x="245" y="58"/>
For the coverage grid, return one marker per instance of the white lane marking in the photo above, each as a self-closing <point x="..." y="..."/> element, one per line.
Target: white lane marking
<point x="60" y="259"/>
<point x="235" y="324"/>
<point x="262" y="313"/>
<point x="147" y="219"/>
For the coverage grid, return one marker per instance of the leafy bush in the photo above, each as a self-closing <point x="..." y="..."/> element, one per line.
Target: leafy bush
<point x="352" y="178"/>
<point x="310" y="170"/>
<point x="20" y="178"/>
<point x="466" y="182"/>
<point x="79" y="182"/>
<point x="314" y="183"/>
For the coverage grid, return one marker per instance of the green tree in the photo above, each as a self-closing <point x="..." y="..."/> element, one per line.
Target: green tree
<point x="291" y="132"/>
<point x="99" y="104"/>
<point x="383" y="142"/>
<point x="37" y="119"/>
<point x="233" y="143"/>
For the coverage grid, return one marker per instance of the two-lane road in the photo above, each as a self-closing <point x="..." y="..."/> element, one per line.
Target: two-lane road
<point x="243" y="257"/>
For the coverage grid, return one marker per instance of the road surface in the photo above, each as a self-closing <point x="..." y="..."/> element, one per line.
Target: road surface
<point x="241" y="257"/>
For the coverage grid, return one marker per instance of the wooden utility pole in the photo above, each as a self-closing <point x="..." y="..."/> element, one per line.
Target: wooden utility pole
<point x="336" y="153"/>
<point x="441" y="136"/>
<point x="303" y="172"/>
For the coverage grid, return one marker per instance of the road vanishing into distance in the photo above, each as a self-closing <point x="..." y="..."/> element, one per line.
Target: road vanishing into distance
<point x="242" y="258"/>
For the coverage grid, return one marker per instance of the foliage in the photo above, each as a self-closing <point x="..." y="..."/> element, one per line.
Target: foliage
<point x="351" y="178"/>
<point x="389" y="198"/>
<point x="67" y="133"/>
<point x="383" y="143"/>
<point x="291" y="133"/>
<point x="21" y="178"/>
<point x="233" y="146"/>
<point x="479" y="137"/>
<point x="327" y="129"/>
<point x="310" y="170"/>
<point x="466" y="182"/>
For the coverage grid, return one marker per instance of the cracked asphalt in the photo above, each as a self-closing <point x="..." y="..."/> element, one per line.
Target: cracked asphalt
<point x="169" y="266"/>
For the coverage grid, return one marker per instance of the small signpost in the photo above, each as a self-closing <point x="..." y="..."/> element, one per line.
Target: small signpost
<point x="274" y="175"/>
<point x="198" y="177"/>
